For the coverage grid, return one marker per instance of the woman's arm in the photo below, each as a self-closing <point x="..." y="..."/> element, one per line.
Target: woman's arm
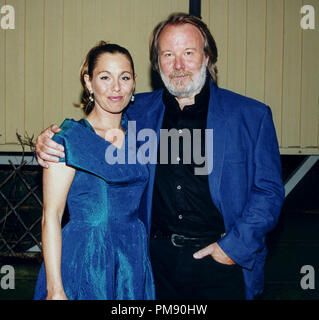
<point x="56" y="184"/>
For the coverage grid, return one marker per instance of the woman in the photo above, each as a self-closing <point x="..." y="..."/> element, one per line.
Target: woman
<point x="102" y="252"/>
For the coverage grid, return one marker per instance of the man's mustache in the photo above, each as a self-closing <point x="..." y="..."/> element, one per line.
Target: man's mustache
<point x="180" y="74"/>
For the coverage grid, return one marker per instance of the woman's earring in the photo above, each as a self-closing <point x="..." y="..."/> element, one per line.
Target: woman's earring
<point x="132" y="98"/>
<point x="91" y="97"/>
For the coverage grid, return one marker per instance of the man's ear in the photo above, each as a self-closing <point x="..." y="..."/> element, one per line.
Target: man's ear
<point x="88" y="82"/>
<point x="207" y="59"/>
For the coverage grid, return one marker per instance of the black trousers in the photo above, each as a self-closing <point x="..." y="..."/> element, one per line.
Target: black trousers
<point x="179" y="276"/>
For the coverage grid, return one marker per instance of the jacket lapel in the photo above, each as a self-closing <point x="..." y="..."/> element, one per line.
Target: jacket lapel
<point x="216" y="120"/>
<point x="153" y="119"/>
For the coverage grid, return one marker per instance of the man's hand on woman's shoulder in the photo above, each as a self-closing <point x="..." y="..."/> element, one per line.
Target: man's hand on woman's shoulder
<point x="46" y="149"/>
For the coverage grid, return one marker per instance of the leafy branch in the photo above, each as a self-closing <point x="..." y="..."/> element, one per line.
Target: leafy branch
<point x="26" y="141"/>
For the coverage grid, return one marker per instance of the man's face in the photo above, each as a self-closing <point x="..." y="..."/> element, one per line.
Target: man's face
<point x="182" y="60"/>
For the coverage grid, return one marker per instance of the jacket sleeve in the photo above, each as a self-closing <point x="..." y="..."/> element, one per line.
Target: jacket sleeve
<point x="265" y="199"/>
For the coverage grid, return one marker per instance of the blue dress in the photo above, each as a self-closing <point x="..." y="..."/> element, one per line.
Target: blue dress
<point x="105" y="252"/>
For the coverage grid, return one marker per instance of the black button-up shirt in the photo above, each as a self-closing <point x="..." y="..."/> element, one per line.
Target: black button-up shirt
<point x="182" y="203"/>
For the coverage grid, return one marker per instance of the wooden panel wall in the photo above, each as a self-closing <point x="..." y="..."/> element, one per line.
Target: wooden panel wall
<point x="263" y="53"/>
<point x="34" y="66"/>
<point x="15" y="74"/>
<point x="266" y="55"/>
<point x="2" y="83"/>
<point x="309" y="116"/>
<point x="274" y="61"/>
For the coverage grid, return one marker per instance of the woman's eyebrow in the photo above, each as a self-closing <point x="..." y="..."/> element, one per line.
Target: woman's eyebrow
<point x="111" y="72"/>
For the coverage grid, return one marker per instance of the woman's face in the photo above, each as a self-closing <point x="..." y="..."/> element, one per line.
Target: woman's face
<point x="112" y="82"/>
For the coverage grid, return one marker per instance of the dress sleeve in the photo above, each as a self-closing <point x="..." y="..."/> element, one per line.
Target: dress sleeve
<point x="62" y="137"/>
<point x="86" y="151"/>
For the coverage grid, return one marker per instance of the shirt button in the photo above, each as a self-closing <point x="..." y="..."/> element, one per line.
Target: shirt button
<point x="180" y="217"/>
<point x="179" y="187"/>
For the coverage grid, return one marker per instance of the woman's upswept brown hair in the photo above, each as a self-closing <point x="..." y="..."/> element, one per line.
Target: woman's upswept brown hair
<point x="210" y="48"/>
<point x="89" y="64"/>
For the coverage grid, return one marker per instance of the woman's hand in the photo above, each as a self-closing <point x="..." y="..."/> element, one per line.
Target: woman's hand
<point x="60" y="295"/>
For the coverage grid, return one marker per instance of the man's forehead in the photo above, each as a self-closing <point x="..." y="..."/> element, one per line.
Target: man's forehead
<point x="180" y="33"/>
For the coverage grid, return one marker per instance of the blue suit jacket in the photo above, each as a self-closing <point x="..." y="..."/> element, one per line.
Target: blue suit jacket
<point x="245" y="183"/>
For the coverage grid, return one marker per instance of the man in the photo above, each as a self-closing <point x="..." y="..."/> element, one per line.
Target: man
<point x="208" y="231"/>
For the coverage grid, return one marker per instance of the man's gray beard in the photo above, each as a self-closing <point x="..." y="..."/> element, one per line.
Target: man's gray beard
<point x="194" y="86"/>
